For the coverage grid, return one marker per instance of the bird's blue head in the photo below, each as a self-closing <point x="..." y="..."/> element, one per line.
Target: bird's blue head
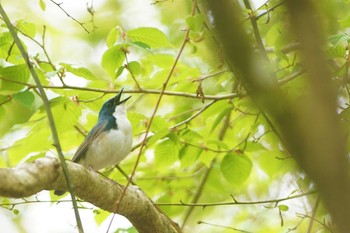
<point x="111" y="106"/>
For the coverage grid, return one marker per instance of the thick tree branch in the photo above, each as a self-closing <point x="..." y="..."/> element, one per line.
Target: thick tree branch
<point x="308" y="125"/>
<point x="46" y="174"/>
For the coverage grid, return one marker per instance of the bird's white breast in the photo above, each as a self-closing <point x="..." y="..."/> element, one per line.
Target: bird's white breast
<point x="110" y="147"/>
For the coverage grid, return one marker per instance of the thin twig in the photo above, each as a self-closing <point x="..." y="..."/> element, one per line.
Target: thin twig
<point x="9" y="51"/>
<point x="124" y="174"/>
<point x="316" y="220"/>
<point x="253" y="21"/>
<point x="271" y="9"/>
<point x="130" y="72"/>
<point x="203" y="77"/>
<point x="291" y="77"/>
<point x="8" y="99"/>
<point x="143" y="91"/>
<point x="314" y="211"/>
<point x="41" y="45"/>
<point x="191" y="176"/>
<point x="48" y="113"/>
<point x="143" y="144"/>
<point x="69" y="16"/>
<point x="215" y="150"/>
<point x="235" y="202"/>
<point x="226" y="227"/>
<point x="204" y="179"/>
<point x="198" y="193"/>
<point x="193" y="116"/>
<point x="159" y="1"/>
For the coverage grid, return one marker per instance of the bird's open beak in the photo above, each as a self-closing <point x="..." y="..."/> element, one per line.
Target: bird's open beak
<point x="124" y="100"/>
<point x="118" y="96"/>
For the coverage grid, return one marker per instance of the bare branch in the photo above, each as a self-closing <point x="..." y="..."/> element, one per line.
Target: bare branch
<point x="236" y="202"/>
<point x="69" y="16"/>
<point x="143" y="91"/>
<point x="186" y="121"/>
<point x="225" y="227"/>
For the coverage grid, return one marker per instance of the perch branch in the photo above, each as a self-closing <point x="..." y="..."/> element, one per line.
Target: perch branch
<point x="46" y="174"/>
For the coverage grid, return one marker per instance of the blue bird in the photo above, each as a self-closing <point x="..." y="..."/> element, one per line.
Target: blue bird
<point x="109" y="141"/>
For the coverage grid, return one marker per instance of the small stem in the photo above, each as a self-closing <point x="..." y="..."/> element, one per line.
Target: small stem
<point x="69" y="16"/>
<point x="48" y="113"/>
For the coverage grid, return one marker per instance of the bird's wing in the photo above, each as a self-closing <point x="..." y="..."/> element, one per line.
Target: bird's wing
<point x="93" y="134"/>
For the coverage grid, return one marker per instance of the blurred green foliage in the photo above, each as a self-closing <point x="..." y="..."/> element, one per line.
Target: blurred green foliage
<point x="208" y="140"/>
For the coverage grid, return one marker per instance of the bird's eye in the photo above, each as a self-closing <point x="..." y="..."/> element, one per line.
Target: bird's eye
<point x="109" y="105"/>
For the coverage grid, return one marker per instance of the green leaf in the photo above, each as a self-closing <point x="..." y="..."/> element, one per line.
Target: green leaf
<point x="134" y="67"/>
<point x="153" y="37"/>
<point x="4" y="98"/>
<point x="138" y="122"/>
<point x="46" y="67"/>
<point x="337" y="51"/>
<point x="338" y="38"/>
<point x="270" y="164"/>
<point x="220" y="117"/>
<point x="28" y="28"/>
<point x="11" y="113"/>
<point x="206" y="157"/>
<point x="79" y="71"/>
<point x="119" y="71"/>
<point x="159" y="60"/>
<point x="5" y="38"/>
<point x="166" y="153"/>
<point x="160" y="134"/>
<point x="31" y="142"/>
<point x="189" y="155"/>
<point x="112" y="37"/>
<point x="100" y="215"/>
<point x="34" y="157"/>
<point x="4" y="201"/>
<point x="218" y="143"/>
<point x="26" y="98"/>
<point x="236" y="167"/>
<point x="160" y="129"/>
<point x="141" y="45"/>
<point x="253" y="147"/>
<point x="158" y="124"/>
<point x="191" y="135"/>
<point x="283" y="208"/>
<point x="345" y="114"/>
<point x="65" y="112"/>
<point x="42" y="76"/>
<point x="16" y="73"/>
<point x="129" y="230"/>
<point x="112" y="59"/>
<point x="195" y="23"/>
<point x="42" y="5"/>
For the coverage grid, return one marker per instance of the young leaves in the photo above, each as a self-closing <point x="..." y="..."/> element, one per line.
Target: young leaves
<point x="143" y="37"/>
<point x="152" y="37"/>
<point x="112" y="59"/>
<point x="236" y="167"/>
<point x="16" y="74"/>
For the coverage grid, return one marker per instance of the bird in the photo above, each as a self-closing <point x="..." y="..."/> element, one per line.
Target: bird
<point x="109" y="141"/>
